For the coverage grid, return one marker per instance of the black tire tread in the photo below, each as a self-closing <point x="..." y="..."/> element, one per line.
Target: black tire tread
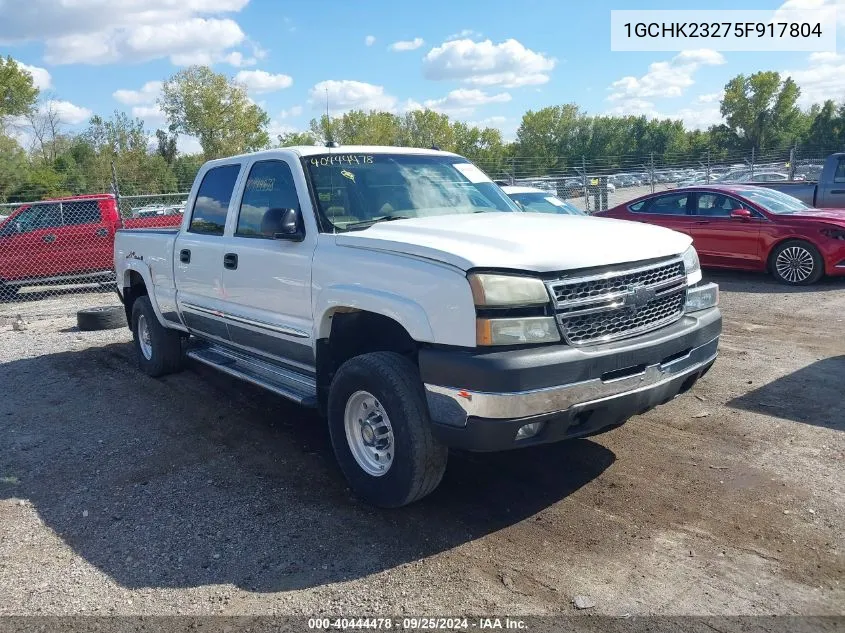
<point x="818" y="273"/>
<point x="401" y="378"/>
<point x="102" y="318"/>
<point x="167" y="344"/>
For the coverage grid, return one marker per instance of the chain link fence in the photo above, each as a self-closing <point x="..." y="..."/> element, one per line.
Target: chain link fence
<point x="56" y="255"/>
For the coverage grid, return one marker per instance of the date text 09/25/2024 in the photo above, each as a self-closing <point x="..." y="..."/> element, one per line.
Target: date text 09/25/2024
<point x="418" y="623"/>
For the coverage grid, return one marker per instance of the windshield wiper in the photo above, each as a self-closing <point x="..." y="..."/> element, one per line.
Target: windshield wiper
<point x="368" y="223"/>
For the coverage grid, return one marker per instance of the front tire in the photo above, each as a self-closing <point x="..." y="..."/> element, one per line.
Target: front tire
<point x="159" y="349"/>
<point x="381" y="432"/>
<point x="797" y="263"/>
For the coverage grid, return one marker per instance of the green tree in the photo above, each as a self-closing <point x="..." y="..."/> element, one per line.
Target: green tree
<point x="761" y="109"/>
<point x="210" y="106"/>
<point x="290" y="139"/>
<point x="166" y="146"/>
<point x="358" y="127"/>
<point x="13" y="166"/>
<point x="17" y="90"/>
<point x="482" y="146"/>
<point x="426" y="128"/>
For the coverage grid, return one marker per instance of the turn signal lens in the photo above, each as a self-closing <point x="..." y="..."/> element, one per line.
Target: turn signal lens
<point x="516" y="331"/>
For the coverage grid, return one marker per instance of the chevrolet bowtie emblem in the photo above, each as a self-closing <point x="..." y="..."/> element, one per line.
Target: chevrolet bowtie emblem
<point x="639" y="296"/>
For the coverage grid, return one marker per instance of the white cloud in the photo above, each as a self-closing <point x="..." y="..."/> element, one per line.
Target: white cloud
<point x="277" y="127"/>
<point x="370" y="40"/>
<point x="491" y="121"/>
<point x="67" y="112"/>
<point x="237" y="59"/>
<point x="40" y="76"/>
<point x="823" y="78"/>
<point x="150" y="114"/>
<point x="464" y="101"/>
<point x="188" y="145"/>
<point x="260" y="81"/>
<point x="348" y="95"/>
<point x="148" y="93"/>
<point x="407" y="45"/>
<point x="100" y="31"/>
<point x="295" y="111"/>
<point x="665" y="79"/>
<point x="698" y="118"/>
<point x="464" y="34"/>
<point x="710" y="97"/>
<point x="508" y="64"/>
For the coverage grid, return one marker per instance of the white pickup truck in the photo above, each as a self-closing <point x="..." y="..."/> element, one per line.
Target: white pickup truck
<point x="402" y="293"/>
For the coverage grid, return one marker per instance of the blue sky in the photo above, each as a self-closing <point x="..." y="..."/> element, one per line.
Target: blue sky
<point x="485" y="62"/>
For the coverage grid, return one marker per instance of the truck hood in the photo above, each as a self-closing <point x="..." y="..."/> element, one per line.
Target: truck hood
<point x="537" y="242"/>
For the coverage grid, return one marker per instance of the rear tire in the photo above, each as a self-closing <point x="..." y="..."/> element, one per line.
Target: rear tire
<point x="381" y="431"/>
<point x="796" y="263"/>
<point x="159" y="349"/>
<point x="103" y="318"/>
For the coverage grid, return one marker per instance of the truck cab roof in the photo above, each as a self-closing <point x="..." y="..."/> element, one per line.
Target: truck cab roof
<point x="303" y="151"/>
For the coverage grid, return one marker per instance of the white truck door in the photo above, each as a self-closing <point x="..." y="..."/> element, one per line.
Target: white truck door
<point x="267" y="280"/>
<point x="199" y="254"/>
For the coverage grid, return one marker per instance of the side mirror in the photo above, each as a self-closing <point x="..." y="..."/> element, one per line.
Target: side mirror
<point x="741" y="214"/>
<point x="289" y="226"/>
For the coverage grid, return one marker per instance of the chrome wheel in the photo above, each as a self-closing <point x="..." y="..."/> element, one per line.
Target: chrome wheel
<point x="144" y="340"/>
<point x="368" y="433"/>
<point x="795" y="264"/>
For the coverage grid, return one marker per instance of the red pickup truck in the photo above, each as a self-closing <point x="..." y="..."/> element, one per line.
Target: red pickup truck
<point x="64" y="240"/>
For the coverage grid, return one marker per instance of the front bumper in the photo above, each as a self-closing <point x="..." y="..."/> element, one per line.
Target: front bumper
<point x="482" y="398"/>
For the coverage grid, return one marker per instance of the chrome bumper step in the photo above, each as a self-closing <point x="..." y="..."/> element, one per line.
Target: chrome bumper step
<point x="287" y="383"/>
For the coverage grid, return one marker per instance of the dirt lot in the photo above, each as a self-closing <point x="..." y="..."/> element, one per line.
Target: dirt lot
<point x="193" y="494"/>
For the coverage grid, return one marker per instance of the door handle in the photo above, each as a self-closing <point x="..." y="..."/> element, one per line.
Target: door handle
<point x="230" y="261"/>
<point x="185" y="256"/>
<point x="837" y="191"/>
<point x="49" y="239"/>
<point x="101" y="232"/>
<point x="702" y="222"/>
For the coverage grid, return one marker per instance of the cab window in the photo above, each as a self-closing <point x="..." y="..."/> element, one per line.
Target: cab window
<point x="269" y="191"/>
<point x="213" y="197"/>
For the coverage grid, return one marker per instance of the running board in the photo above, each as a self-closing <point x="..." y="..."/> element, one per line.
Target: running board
<point x="289" y="384"/>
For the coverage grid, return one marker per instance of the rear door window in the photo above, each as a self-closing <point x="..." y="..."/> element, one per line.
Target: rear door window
<point x="213" y="197"/>
<point x="82" y="212"/>
<point x="672" y="204"/>
<point x="839" y="176"/>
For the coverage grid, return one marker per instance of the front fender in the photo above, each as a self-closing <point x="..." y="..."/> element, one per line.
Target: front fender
<point x="403" y="310"/>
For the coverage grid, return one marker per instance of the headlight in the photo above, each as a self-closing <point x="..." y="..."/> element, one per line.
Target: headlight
<point x="503" y="291"/>
<point x="702" y="297"/>
<point x="692" y="266"/>
<point x="516" y="331"/>
<point x="835" y="234"/>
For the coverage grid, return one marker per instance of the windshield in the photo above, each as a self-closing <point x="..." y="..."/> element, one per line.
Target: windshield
<point x="775" y="201"/>
<point x="544" y="203"/>
<point x="354" y="191"/>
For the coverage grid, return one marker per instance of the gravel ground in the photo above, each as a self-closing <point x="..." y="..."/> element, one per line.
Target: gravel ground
<point x="195" y="494"/>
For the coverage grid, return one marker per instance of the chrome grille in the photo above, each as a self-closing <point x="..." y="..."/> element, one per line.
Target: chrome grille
<point x="619" y="303"/>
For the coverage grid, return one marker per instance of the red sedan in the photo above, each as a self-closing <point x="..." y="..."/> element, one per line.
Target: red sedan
<point x="748" y="228"/>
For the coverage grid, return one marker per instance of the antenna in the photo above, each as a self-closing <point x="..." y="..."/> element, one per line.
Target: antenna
<point x="329" y="139"/>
